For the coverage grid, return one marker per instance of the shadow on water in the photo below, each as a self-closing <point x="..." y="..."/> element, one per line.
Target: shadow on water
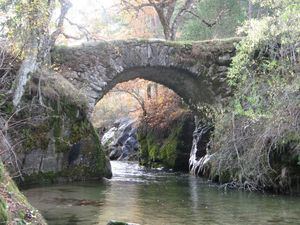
<point x="157" y="197"/>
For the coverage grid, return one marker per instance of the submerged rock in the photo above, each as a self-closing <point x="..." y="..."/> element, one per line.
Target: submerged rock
<point x="120" y="141"/>
<point x="113" y="222"/>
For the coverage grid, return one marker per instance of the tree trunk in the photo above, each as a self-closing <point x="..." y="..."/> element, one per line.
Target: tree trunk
<point x="164" y="22"/>
<point x="178" y="19"/>
<point x="28" y="66"/>
<point x="37" y="51"/>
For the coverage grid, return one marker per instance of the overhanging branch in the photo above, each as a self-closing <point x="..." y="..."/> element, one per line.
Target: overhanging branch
<point x="214" y="22"/>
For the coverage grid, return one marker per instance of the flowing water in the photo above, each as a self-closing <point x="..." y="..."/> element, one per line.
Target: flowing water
<point x="158" y="198"/>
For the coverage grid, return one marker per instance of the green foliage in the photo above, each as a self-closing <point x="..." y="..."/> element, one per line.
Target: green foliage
<point x="25" y="20"/>
<point x="3" y="207"/>
<point x="3" y="212"/>
<point x="264" y="64"/>
<point x="256" y="140"/>
<point x="152" y="148"/>
<point x="7" y="108"/>
<point x="195" y="29"/>
<point x="143" y="152"/>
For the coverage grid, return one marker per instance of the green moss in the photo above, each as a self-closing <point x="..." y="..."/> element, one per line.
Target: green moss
<point x="149" y="150"/>
<point x="36" y="137"/>
<point x="13" y="197"/>
<point x="21" y="214"/>
<point x="65" y="124"/>
<point x="61" y="145"/>
<point x="56" y="123"/>
<point x="80" y="129"/>
<point x="99" y="156"/>
<point x="8" y="108"/>
<point x="155" y="152"/>
<point x="1" y="172"/>
<point x="169" y="152"/>
<point x="66" y="114"/>
<point x="75" y="173"/>
<point x="152" y="147"/>
<point x="40" y="178"/>
<point x="3" y="212"/>
<point x="143" y="153"/>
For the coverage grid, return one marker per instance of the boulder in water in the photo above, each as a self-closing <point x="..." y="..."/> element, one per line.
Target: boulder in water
<point x="113" y="222"/>
<point x="121" y="140"/>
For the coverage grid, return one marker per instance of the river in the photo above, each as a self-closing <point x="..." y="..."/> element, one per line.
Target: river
<point x="158" y="198"/>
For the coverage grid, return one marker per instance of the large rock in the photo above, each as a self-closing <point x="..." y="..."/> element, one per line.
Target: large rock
<point x="169" y="148"/>
<point x="114" y="222"/>
<point x="59" y="142"/>
<point x="120" y="141"/>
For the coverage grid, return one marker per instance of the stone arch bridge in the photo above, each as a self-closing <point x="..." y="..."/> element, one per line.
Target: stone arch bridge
<point x="196" y="71"/>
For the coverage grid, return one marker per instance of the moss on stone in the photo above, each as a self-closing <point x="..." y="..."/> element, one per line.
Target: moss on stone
<point x="60" y="130"/>
<point x="13" y="204"/>
<point x="95" y="169"/>
<point x="3" y="212"/>
<point x="73" y="173"/>
<point x="1" y="172"/>
<point x="39" y="178"/>
<point x="143" y="153"/>
<point x="35" y="137"/>
<point x="101" y="160"/>
<point x="168" y="151"/>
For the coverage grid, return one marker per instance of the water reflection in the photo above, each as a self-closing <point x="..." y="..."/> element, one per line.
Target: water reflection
<point x="160" y="198"/>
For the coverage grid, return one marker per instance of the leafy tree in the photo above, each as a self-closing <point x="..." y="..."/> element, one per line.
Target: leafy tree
<point x="256" y="140"/>
<point x="171" y="13"/>
<point x="27" y="25"/>
<point x="214" y="19"/>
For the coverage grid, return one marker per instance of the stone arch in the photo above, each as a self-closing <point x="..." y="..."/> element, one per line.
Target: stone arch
<point x="182" y="82"/>
<point x="196" y="71"/>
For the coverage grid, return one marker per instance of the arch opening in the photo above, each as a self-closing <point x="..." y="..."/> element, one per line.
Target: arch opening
<point x="145" y="121"/>
<point x="159" y="143"/>
<point x="184" y="83"/>
<point x="136" y="98"/>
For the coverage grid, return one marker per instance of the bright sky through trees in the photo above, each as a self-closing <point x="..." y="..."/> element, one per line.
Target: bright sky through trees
<point x="82" y="13"/>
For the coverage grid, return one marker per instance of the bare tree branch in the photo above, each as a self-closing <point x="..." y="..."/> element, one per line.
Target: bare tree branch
<point x="65" y="6"/>
<point x="179" y="17"/>
<point x="85" y="32"/>
<point x="165" y="10"/>
<point x="215" y="21"/>
<point x="135" y="95"/>
<point x="37" y="50"/>
<point x="68" y="36"/>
